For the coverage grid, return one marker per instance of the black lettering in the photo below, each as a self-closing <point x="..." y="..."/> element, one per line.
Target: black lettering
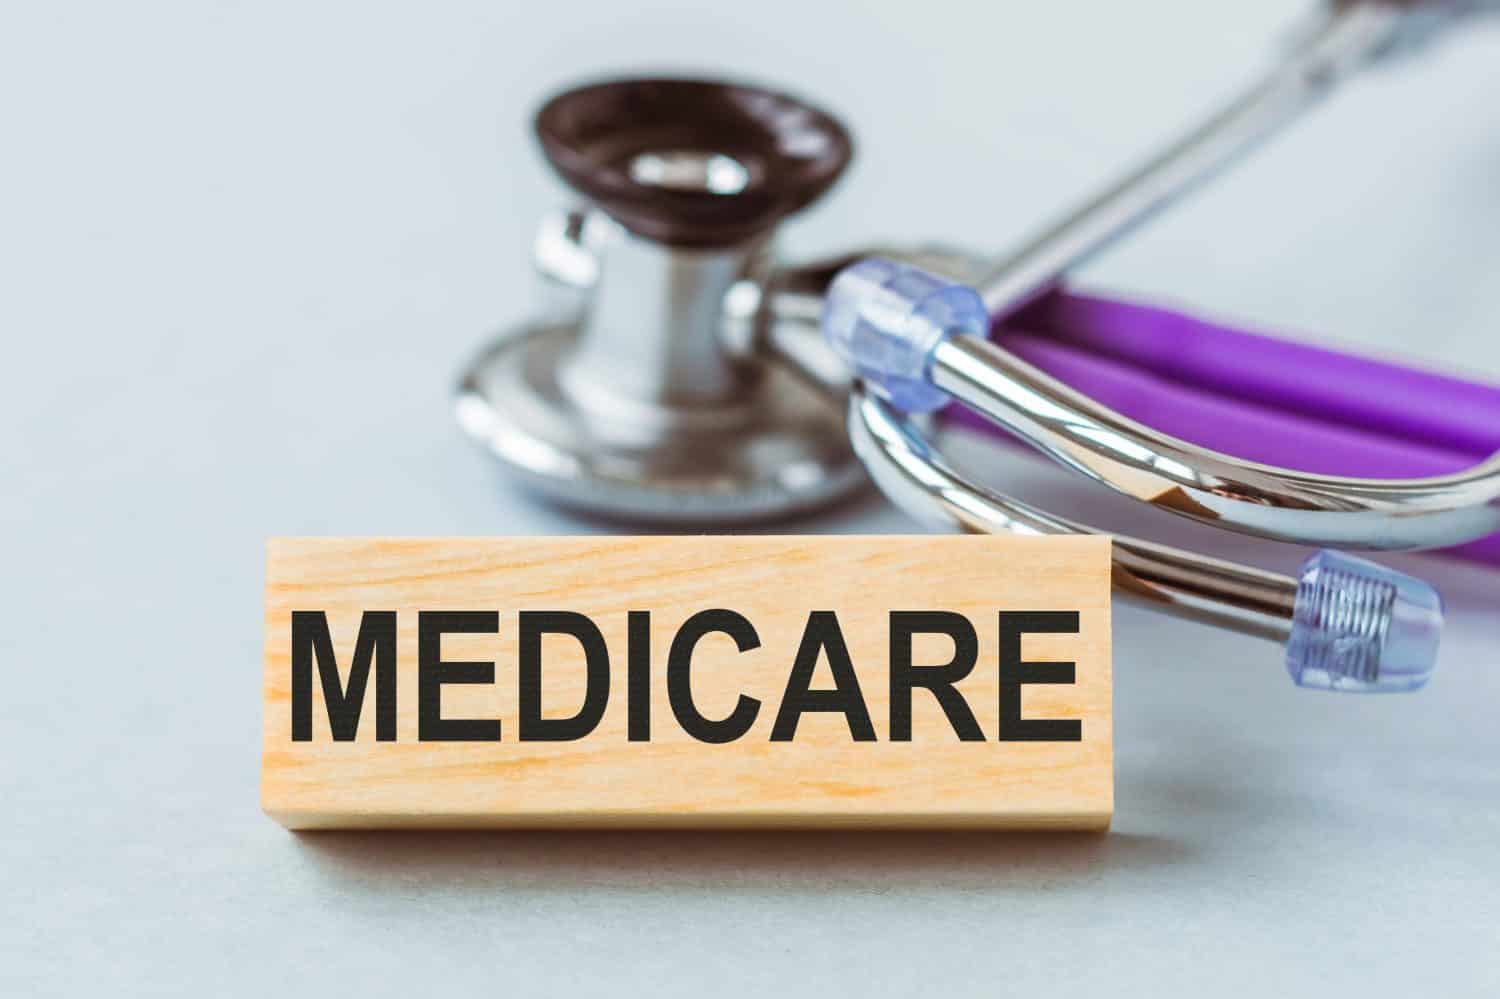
<point x="433" y="672"/>
<point x="535" y="728"/>
<point x="680" y="683"/>
<point x="940" y="680"/>
<point x="376" y="642"/>
<point x="638" y="681"/>
<point x="822" y="634"/>
<point x="1014" y="673"/>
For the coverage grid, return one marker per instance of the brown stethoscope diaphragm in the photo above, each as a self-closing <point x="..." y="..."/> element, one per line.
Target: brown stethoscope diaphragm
<point x="692" y="163"/>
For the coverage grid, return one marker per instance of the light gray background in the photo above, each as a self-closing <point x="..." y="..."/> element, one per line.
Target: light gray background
<point x="245" y="246"/>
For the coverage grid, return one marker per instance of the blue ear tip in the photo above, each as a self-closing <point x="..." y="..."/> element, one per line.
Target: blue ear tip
<point x="1359" y="626"/>
<point x="886" y="319"/>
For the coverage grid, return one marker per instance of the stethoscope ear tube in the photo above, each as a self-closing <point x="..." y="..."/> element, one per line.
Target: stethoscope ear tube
<point x="881" y="316"/>
<point x="1251" y="425"/>
<point x="1347" y="624"/>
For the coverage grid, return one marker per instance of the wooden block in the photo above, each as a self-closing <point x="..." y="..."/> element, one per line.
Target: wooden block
<point x="556" y="682"/>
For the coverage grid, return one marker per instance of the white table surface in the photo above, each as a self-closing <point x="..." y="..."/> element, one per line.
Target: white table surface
<point x="243" y="250"/>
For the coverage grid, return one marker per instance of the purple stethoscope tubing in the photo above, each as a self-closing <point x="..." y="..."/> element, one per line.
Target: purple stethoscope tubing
<point x="1436" y="410"/>
<point x="1259" y="397"/>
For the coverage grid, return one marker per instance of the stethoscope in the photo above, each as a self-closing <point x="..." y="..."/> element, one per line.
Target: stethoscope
<point x="696" y="379"/>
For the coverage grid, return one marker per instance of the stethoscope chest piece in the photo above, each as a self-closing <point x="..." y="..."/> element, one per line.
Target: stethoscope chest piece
<point x="634" y="401"/>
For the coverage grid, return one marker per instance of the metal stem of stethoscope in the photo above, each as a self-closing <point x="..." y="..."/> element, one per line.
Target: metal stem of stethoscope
<point x="1226" y="492"/>
<point x="1352" y="36"/>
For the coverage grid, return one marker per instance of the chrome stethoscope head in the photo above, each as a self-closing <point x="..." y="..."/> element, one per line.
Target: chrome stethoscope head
<point x="640" y="399"/>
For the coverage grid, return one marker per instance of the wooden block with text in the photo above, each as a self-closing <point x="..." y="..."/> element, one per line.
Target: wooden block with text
<point x="801" y="681"/>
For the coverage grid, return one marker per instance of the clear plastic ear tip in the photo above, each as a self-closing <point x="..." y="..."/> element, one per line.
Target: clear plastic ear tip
<point x="1358" y="626"/>
<point x="886" y="319"/>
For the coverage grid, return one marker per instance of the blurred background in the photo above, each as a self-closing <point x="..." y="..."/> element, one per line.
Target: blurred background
<point x="245" y="248"/>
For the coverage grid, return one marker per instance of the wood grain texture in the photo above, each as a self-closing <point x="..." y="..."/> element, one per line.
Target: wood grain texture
<point x="822" y="778"/>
